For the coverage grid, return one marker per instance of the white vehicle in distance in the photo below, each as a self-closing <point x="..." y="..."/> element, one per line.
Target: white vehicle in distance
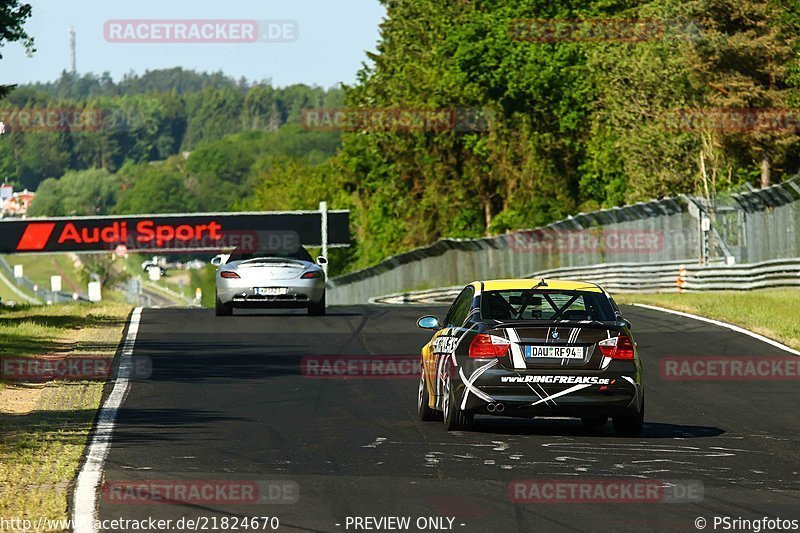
<point x="269" y="280"/>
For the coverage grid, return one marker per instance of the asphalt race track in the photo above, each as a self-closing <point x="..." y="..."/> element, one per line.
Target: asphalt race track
<point x="227" y="401"/>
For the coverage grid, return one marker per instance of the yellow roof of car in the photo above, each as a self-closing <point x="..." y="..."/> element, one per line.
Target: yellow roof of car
<point x="525" y="284"/>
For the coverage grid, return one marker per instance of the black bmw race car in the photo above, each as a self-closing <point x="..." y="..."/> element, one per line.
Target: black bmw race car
<point x="528" y="348"/>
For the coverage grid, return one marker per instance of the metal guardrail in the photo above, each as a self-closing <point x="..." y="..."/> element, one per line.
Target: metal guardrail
<point x="10" y="283"/>
<point x="41" y="294"/>
<point x="748" y="227"/>
<point x="672" y="276"/>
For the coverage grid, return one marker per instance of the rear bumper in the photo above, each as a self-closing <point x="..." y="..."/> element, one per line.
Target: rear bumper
<point x="579" y="405"/>
<point x="300" y="293"/>
<point x="529" y="394"/>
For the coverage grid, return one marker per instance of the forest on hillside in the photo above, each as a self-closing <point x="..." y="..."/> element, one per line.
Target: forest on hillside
<point x="580" y="116"/>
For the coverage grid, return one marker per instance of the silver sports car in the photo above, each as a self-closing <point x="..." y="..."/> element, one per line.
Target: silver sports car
<point x="270" y="280"/>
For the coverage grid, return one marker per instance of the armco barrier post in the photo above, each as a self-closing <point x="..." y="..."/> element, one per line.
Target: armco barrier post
<point x="681" y="280"/>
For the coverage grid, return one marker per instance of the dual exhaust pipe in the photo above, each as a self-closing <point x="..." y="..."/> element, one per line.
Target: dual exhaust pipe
<point x="495" y="407"/>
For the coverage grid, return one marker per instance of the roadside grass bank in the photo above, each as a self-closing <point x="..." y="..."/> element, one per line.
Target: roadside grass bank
<point x="205" y="279"/>
<point x="44" y="427"/>
<point x="7" y="295"/>
<point x="769" y="312"/>
<point x="177" y="282"/>
<point x="10" y="291"/>
<point x="41" y="267"/>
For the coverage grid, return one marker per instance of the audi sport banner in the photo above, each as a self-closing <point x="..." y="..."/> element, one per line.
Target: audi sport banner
<point x="251" y="232"/>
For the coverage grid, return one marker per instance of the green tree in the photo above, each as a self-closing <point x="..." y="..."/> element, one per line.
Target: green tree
<point x="154" y="188"/>
<point x="77" y="193"/>
<point x="212" y="115"/>
<point x="13" y="15"/>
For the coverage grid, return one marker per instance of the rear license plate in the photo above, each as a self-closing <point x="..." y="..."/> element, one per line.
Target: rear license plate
<point x="556" y="352"/>
<point x="271" y="291"/>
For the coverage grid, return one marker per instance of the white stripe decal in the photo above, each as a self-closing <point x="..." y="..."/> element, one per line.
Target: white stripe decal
<point x="455" y="346"/>
<point x="534" y="390"/>
<point x="442" y="358"/>
<point x="439" y="365"/>
<point x="517" y="356"/>
<point x="606" y="360"/>
<point x="562" y="393"/>
<point x="84" y="503"/>
<point x="635" y="398"/>
<point x="470" y="388"/>
<point x="544" y="398"/>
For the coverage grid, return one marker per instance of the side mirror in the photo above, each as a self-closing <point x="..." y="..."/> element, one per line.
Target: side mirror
<point x="322" y="260"/>
<point x="627" y="324"/>
<point x="217" y="261"/>
<point x="428" y="322"/>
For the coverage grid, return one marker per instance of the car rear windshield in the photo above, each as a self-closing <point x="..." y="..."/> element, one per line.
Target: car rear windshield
<point x="300" y="254"/>
<point x="546" y="305"/>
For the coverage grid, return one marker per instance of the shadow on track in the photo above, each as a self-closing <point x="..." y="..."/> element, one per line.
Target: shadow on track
<point x="158" y="425"/>
<point x="285" y="313"/>
<point x="574" y="428"/>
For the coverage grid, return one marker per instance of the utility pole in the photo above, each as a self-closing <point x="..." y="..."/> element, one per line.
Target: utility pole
<point x="73" y="50"/>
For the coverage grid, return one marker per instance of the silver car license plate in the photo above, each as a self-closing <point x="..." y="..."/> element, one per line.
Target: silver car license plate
<point x="271" y="291"/>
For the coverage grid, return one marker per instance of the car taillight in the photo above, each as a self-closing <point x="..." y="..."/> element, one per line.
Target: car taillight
<point x="617" y="348"/>
<point x="227" y="274"/>
<point x="488" y="346"/>
<point x="312" y="275"/>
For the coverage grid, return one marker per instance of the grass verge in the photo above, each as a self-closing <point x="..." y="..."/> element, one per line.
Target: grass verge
<point x="40" y="268"/>
<point x="7" y="295"/>
<point x="44" y="428"/>
<point x="769" y="312"/>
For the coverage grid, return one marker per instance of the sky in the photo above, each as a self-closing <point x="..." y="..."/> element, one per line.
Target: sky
<point x="327" y="47"/>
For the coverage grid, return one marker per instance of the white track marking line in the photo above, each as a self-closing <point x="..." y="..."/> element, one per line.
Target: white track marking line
<point x="84" y="504"/>
<point x="731" y="327"/>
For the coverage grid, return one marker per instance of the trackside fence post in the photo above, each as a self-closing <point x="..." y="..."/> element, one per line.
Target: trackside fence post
<point x="323" y="211"/>
<point x="681" y="279"/>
